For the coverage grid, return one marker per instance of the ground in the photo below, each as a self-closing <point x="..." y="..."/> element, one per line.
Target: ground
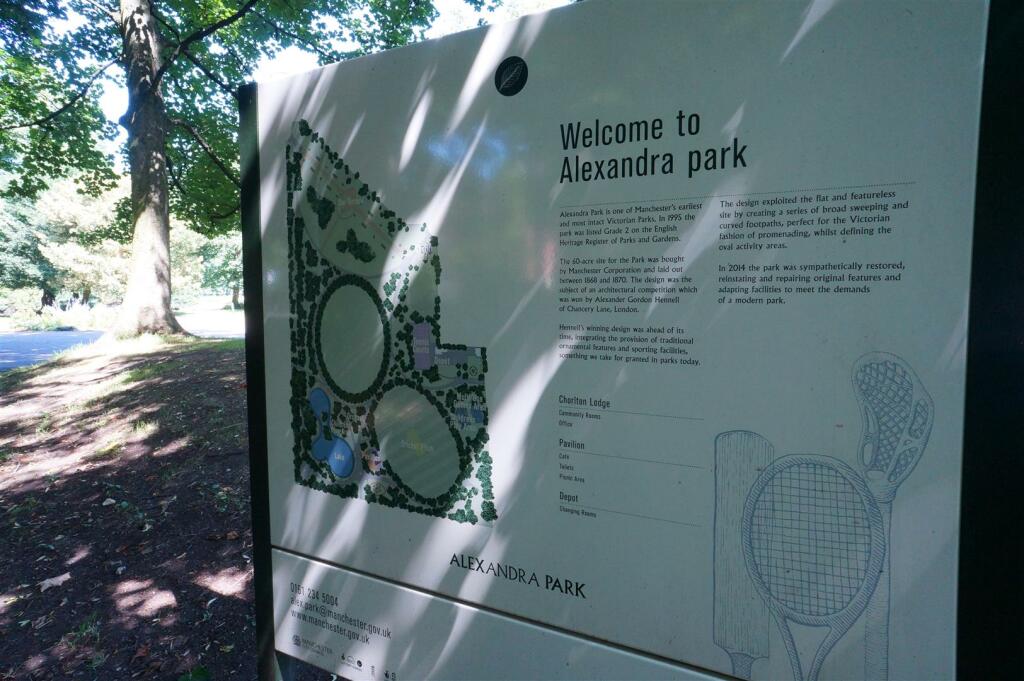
<point x="124" y="514"/>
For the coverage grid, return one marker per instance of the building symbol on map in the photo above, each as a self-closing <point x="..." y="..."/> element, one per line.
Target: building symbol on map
<point x="383" y="409"/>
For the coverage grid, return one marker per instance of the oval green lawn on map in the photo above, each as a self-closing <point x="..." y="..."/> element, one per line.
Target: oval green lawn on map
<point x="416" y="442"/>
<point x="352" y="339"/>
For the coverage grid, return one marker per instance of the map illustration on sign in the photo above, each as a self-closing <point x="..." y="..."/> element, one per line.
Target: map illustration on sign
<point x="381" y="408"/>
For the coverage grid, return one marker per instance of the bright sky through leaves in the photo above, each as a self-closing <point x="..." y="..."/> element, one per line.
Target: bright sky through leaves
<point x="455" y="16"/>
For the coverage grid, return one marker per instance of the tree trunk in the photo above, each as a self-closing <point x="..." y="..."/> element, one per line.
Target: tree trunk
<point x="234" y="297"/>
<point x="147" y="303"/>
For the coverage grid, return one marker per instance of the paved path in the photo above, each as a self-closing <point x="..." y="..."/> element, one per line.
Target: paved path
<point x="214" y="323"/>
<point x="32" y="347"/>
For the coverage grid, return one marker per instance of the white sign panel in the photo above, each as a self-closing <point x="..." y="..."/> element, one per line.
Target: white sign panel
<point x="630" y="335"/>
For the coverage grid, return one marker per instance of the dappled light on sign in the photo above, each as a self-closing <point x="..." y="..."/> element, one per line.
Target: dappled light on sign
<point x="577" y="295"/>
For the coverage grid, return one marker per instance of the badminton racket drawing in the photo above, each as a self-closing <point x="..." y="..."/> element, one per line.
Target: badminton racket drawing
<point x="813" y="544"/>
<point x="741" y="618"/>
<point x="898" y="413"/>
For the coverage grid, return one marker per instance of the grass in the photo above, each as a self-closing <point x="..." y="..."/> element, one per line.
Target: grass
<point x="12" y="377"/>
<point x="170" y="472"/>
<point x="144" y="428"/>
<point x="153" y="370"/>
<point x="27" y="505"/>
<point x="222" y="345"/>
<point x="148" y="371"/>
<point x="111" y="450"/>
<point x="87" y="632"/>
<point x="97" y="660"/>
<point x="224" y="498"/>
<point x="197" y="674"/>
<point x="70" y="352"/>
<point x="134" y="514"/>
<point x="113" y="346"/>
<point x="45" y="424"/>
<point x="98" y="394"/>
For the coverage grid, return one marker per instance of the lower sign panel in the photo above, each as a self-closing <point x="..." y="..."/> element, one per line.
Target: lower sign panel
<point x="364" y="628"/>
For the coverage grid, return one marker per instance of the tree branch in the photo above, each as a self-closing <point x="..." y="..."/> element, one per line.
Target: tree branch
<point x="209" y="74"/>
<point x="113" y="14"/>
<point x="170" y="27"/>
<point x="225" y="216"/>
<point x="294" y="36"/>
<point x="174" y="177"/>
<point x="207" y="148"/>
<point x="199" y="35"/>
<point x="176" y="181"/>
<point x="188" y="55"/>
<point x="68" y="104"/>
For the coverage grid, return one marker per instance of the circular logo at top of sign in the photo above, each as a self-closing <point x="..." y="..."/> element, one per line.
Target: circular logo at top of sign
<point x="510" y="76"/>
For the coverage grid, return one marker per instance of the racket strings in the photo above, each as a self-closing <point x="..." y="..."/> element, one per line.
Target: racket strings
<point x="921" y="421"/>
<point x="811" y="539"/>
<point x="888" y="390"/>
<point x="906" y="459"/>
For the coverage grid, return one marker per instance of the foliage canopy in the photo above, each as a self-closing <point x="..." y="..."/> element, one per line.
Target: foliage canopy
<point x="51" y="124"/>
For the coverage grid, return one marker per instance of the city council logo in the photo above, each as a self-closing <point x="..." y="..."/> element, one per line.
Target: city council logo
<point x="511" y="75"/>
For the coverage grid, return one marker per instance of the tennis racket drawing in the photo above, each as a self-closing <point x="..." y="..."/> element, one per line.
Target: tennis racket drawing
<point x="898" y="413"/>
<point x="741" y="619"/>
<point x="813" y="544"/>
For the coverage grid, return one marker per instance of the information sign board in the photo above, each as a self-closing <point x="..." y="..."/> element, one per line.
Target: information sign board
<point x="627" y="340"/>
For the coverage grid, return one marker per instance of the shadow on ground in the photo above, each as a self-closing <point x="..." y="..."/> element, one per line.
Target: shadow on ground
<point x="124" y="516"/>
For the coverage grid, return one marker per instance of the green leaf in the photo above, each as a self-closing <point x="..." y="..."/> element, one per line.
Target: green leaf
<point x="198" y="674"/>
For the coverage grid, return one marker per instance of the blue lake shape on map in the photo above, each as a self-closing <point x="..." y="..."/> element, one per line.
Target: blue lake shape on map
<point x="341" y="459"/>
<point x="326" y="446"/>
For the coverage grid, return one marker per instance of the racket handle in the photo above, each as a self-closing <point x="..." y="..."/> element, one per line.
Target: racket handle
<point x="876" y="615"/>
<point x="741" y="665"/>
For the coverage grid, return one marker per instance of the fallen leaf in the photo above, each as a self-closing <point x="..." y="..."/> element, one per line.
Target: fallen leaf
<point x="143" y="651"/>
<point x="108" y="502"/>
<point x="231" y="536"/>
<point x="54" y="581"/>
<point x="197" y="674"/>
